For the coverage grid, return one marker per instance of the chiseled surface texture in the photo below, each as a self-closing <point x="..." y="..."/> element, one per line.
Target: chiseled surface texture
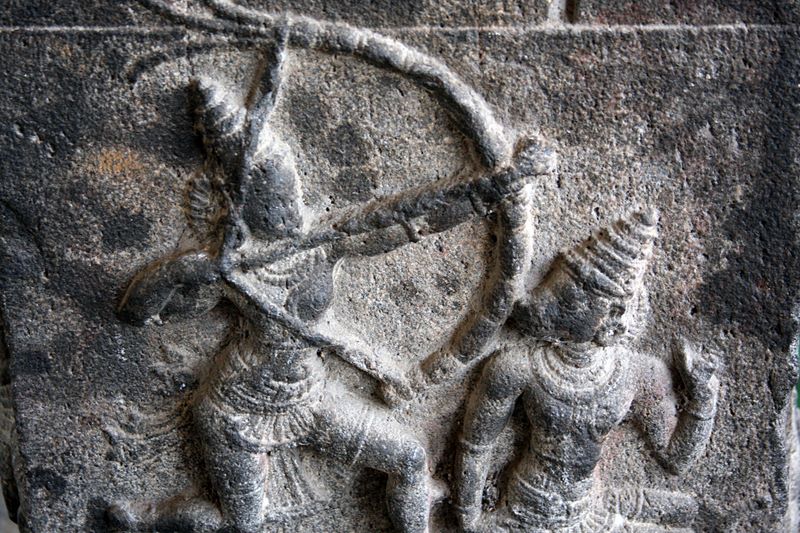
<point x="681" y="120"/>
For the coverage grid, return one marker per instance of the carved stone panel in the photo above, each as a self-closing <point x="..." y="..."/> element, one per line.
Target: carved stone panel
<point x="389" y="266"/>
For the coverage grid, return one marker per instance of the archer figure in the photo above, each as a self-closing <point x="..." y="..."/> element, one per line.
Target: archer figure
<point x="276" y="265"/>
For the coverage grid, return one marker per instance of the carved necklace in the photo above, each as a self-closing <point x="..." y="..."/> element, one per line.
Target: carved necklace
<point x="562" y="379"/>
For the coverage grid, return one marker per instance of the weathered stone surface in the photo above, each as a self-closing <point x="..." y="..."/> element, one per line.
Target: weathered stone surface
<point x="103" y="149"/>
<point x="370" y="13"/>
<point x="687" y="12"/>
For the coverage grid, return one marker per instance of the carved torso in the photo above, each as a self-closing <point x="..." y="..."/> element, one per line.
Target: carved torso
<point x="571" y="409"/>
<point x="268" y="379"/>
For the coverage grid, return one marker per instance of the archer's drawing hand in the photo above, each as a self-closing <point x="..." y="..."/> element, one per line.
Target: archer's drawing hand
<point x="238" y="241"/>
<point x="187" y="278"/>
<point x="697" y="369"/>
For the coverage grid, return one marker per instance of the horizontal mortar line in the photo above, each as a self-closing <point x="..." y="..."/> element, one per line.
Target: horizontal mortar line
<point x="545" y="28"/>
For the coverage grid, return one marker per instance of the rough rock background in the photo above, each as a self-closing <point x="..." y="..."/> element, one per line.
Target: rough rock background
<point x="693" y="110"/>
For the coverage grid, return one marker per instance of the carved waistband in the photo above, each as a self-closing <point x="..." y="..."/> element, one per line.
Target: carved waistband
<point x="544" y="502"/>
<point x="270" y="398"/>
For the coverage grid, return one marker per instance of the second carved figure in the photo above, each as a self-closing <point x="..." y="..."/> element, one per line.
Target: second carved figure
<point x="577" y="379"/>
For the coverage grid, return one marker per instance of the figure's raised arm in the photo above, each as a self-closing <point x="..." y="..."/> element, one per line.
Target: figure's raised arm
<point x="677" y="437"/>
<point x="184" y="284"/>
<point x="471" y="340"/>
<point x="488" y="411"/>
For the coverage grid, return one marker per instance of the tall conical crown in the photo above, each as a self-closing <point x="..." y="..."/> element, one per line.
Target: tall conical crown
<point x="612" y="262"/>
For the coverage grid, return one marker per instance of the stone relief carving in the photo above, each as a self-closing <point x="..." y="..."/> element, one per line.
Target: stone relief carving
<point x="257" y="247"/>
<point x="561" y="346"/>
<point x="566" y="359"/>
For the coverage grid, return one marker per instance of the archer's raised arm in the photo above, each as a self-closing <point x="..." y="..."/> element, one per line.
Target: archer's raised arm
<point x="182" y="285"/>
<point x="441" y="205"/>
<point x="388" y="223"/>
<point x="656" y="413"/>
<point x="488" y="411"/>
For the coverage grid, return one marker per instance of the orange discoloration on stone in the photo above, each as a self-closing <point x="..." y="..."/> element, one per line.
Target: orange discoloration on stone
<point x="117" y="162"/>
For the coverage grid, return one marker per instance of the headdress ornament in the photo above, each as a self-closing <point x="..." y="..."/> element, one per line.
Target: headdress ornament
<point x="612" y="262"/>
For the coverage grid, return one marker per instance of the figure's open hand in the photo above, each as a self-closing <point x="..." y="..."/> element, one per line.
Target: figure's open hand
<point x="697" y="369"/>
<point x="397" y="385"/>
<point x="397" y="389"/>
